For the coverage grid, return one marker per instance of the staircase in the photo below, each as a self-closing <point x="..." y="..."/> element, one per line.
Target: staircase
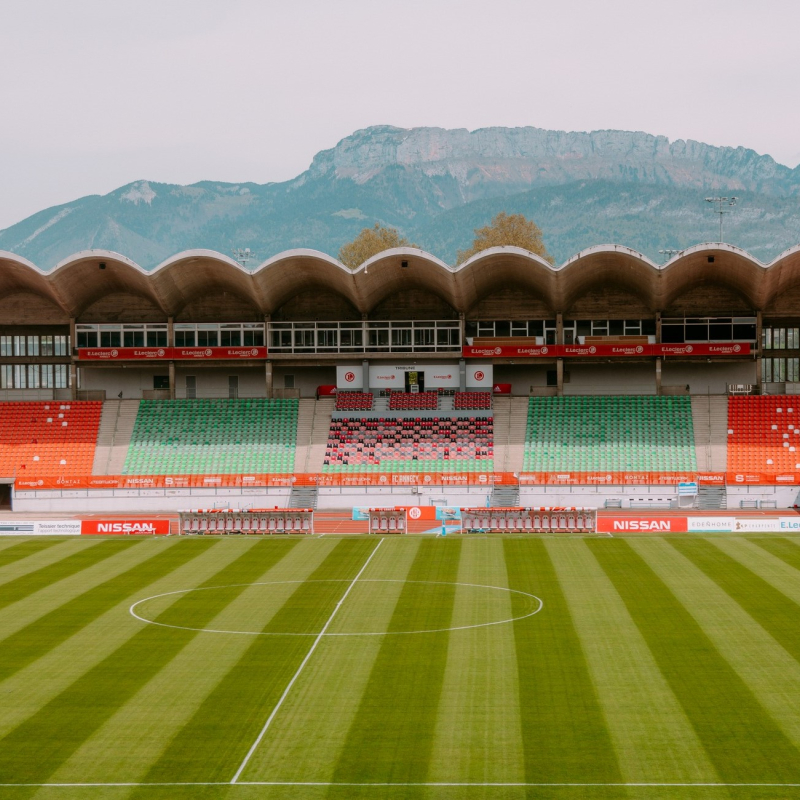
<point x="313" y="427"/>
<point x="510" y="421"/>
<point x="114" y="436"/>
<point x="303" y="497"/>
<point x="711" y="498"/>
<point x="710" y="422"/>
<point x="504" y="497"/>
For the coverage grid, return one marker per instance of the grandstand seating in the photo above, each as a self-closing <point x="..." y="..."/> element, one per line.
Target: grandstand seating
<point x="619" y="433"/>
<point x="410" y="401"/>
<point x="48" y="439"/>
<point x="354" y="401"/>
<point x="764" y="433"/>
<point x="213" y="436"/>
<point x="478" y="401"/>
<point x="463" y="444"/>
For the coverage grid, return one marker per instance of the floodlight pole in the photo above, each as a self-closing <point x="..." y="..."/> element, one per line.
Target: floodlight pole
<point x="720" y="203"/>
<point x="243" y="255"/>
<point x="669" y="252"/>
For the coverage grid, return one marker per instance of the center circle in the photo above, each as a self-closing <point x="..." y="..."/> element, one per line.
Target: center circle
<point x="145" y="609"/>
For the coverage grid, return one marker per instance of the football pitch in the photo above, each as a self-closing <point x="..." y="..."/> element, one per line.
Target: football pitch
<point x="401" y="667"/>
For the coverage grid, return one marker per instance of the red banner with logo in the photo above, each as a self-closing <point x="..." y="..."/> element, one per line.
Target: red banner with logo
<point x="116" y="527"/>
<point x="608" y="350"/>
<point x="169" y="353"/>
<point x="641" y="523"/>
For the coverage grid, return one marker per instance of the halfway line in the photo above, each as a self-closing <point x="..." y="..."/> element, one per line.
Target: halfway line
<point x="288" y="688"/>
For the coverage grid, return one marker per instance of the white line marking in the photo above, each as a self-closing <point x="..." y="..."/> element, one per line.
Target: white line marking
<point x="286" y="691"/>
<point x="366" y="633"/>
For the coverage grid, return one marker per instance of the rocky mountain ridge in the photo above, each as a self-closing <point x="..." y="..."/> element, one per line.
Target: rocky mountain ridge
<point x="436" y="186"/>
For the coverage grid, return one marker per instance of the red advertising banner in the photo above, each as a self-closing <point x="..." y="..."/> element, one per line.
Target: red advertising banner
<point x="528" y="351"/>
<point x="641" y="523"/>
<point x="608" y="350"/>
<point x="169" y="353"/>
<point x="502" y="388"/>
<point x="101" y="527"/>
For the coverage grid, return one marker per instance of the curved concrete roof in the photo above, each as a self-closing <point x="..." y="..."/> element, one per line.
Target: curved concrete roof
<point x="77" y="281"/>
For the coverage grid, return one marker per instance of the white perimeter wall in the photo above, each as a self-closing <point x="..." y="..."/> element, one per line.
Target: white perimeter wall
<point x="131" y="382"/>
<point x="588" y="379"/>
<point x="306" y="379"/>
<point x="707" y="378"/>
<point x="213" y="382"/>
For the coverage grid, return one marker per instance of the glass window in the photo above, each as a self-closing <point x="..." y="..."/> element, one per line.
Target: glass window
<point x="20" y="377"/>
<point x="33" y="376"/>
<point x="327" y="338"/>
<point x="5" y="346"/>
<point x="110" y="339"/>
<point x="133" y="338"/>
<point x="184" y="339"/>
<point x="207" y="338"/>
<point x="536" y="327"/>
<point x="61" y="376"/>
<point x="616" y="327"/>
<point x="231" y="338"/>
<point x="697" y="332"/>
<point x="47" y="346"/>
<point x="156" y="338"/>
<point x="6" y="376"/>
<point x="87" y="338"/>
<point x="253" y="338"/>
<point x="19" y="346"/>
<point x="47" y="376"/>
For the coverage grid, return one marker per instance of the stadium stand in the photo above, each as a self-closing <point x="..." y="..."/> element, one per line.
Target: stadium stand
<point x="213" y="436"/>
<point x="609" y="433"/>
<point x="354" y="401"/>
<point x="409" y="401"/>
<point x="410" y="445"/>
<point x="472" y="401"/>
<point x="763" y="433"/>
<point x="48" y="439"/>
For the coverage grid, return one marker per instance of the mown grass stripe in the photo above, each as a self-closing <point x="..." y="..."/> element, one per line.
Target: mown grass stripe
<point x="771" y="609"/>
<point x="133" y="738"/>
<point x="743" y="742"/>
<point x="19" y="588"/>
<point x="478" y="731"/>
<point x="306" y="737"/>
<point x="211" y="745"/>
<point x="19" y="550"/>
<point x="38" y="746"/>
<point x="565" y="738"/>
<point x="653" y="737"/>
<point x="392" y="735"/>
<point x="786" y="550"/>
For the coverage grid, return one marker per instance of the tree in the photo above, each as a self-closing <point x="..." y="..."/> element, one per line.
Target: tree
<point x="507" y="229"/>
<point x="370" y="242"/>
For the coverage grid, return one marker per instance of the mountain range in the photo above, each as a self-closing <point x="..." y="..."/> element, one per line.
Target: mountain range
<point x="435" y="186"/>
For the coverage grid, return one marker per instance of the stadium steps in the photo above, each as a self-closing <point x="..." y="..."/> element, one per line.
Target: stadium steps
<point x="510" y="422"/>
<point x="504" y="497"/>
<point x="313" y="425"/>
<point x="116" y="427"/>
<point x="710" y="421"/>
<point x="303" y="497"/>
<point x="711" y="498"/>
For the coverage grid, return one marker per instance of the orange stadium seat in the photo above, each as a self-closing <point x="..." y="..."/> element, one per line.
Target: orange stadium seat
<point x="48" y="439"/>
<point x="764" y="433"/>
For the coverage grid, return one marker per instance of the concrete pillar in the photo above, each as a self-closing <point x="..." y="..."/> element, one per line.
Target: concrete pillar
<point x="658" y="376"/>
<point x="759" y="353"/>
<point x="268" y="376"/>
<point x="73" y="380"/>
<point x="560" y="376"/>
<point x="171" y="380"/>
<point x="658" y="327"/>
<point x="170" y="331"/>
<point x="559" y="330"/>
<point x="73" y="367"/>
<point x="365" y="370"/>
<point x="462" y="375"/>
<point x="759" y="382"/>
<point x="462" y="330"/>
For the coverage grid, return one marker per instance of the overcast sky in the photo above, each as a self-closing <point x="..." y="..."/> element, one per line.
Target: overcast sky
<point x="97" y="93"/>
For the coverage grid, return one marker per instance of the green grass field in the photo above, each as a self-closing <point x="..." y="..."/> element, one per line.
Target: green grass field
<point x="464" y="667"/>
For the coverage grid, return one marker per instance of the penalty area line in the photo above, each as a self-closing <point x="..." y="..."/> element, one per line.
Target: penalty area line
<point x="291" y="683"/>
